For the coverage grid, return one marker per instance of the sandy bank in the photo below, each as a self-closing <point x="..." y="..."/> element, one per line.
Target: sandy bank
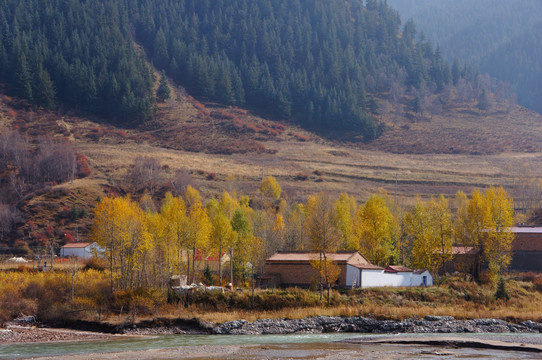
<point x="508" y="342"/>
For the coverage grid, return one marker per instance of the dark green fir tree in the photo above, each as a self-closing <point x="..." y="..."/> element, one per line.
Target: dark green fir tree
<point x="163" y="92"/>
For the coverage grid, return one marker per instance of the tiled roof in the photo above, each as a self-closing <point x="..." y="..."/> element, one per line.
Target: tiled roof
<point x="463" y="250"/>
<point x="308" y="256"/>
<point x="369" y="267"/>
<point x="397" y="268"/>
<point x="77" y="245"/>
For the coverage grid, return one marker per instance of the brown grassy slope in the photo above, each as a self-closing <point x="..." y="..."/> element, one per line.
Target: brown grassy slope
<point x="462" y="129"/>
<point x="459" y="150"/>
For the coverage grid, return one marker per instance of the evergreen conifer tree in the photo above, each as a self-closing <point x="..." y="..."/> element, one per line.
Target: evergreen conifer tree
<point x="163" y="92"/>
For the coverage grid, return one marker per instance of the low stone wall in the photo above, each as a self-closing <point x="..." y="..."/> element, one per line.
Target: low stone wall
<point x="326" y="324"/>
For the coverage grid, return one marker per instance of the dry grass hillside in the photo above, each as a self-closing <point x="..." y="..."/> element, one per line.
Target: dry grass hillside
<point x="230" y="149"/>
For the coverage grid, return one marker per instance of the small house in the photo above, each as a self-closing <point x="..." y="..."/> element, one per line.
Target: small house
<point x="527" y="249"/>
<point x="82" y="250"/>
<point x="295" y="269"/>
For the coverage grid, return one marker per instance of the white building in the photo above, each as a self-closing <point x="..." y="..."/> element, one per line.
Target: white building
<point x="393" y="276"/>
<point x="82" y="250"/>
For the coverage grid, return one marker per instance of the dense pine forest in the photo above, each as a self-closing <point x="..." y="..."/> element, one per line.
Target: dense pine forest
<point x="75" y="53"/>
<point x="498" y="36"/>
<point x="316" y="63"/>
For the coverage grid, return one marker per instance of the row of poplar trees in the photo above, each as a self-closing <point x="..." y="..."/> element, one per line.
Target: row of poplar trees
<point x="145" y="246"/>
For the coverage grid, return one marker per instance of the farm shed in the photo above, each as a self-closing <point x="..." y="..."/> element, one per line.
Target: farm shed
<point x="294" y="269"/>
<point x="82" y="250"/>
<point x="527" y="249"/>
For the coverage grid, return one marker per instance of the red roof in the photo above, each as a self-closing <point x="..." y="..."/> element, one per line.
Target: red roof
<point x="308" y="256"/>
<point x="369" y="267"/>
<point x="77" y="245"/>
<point x="397" y="268"/>
<point x="463" y="250"/>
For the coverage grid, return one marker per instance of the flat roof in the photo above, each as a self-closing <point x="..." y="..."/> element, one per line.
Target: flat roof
<point x="527" y="229"/>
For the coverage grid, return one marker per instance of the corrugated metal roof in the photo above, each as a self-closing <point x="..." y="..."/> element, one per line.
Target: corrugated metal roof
<point x="77" y="245"/>
<point x="527" y="230"/>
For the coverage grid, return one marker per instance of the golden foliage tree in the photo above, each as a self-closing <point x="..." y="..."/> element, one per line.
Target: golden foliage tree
<point x="222" y="237"/>
<point x="498" y="241"/>
<point x="173" y="217"/>
<point x="197" y="228"/>
<point x="484" y="222"/>
<point x="424" y="244"/>
<point x="345" y="211"/>
<point x="119" y="227"/>
<point x="270" y="188"/>
<point x="295" y="236"/>
<point x="375" y="229"/>
<point x="323" y="234"/>
<point x="440" y="218"/>
<point x="328" y="271"/>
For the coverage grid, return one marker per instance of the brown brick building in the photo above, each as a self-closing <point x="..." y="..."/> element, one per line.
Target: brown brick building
<point x="527" y="249"/>
<point x="294" y="268"/>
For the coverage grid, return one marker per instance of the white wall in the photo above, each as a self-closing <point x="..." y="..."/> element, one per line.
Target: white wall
<point x="352" y="276"/>
<point x="83" y="253"/>
<point x="79" y="252"/>
<point x="380" y="278"/>
<point x="417" y="279"/>
<point x="372" y="278"/>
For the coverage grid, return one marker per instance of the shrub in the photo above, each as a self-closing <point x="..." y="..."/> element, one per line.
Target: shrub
<point x="83" y="170"/>
<point x="501" y="292"/>
<point x="301" y="137"/>
<point x="199" y="105"/>
<point x="95" y="263"/>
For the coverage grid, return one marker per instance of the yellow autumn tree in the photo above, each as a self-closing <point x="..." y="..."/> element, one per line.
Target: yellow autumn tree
<point x="423" y="241"/>
<point x="197" y="228"/>
<point x="163" y="258"/>
<point x="375" y="230"/>
<point x="222" y="238"/>
<point x="270" y="188"/>
<point x="345" y="211"/>
<point x="323" y="234"/>
<point x="328" y="270"/>
<point x="242" y="228"/>
<point x="497" y="248"/>
<point x="484" y="222"/>
<point x="119" y="227"/>
<point x="227" y="204"/>
<point x="173" y="217"/>
<point x="440" y="218"/>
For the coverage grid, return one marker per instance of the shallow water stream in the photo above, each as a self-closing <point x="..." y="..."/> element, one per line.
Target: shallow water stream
<point x="294" y="346"/>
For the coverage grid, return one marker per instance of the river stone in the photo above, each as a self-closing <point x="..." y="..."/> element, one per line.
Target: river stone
<point x="322" y="324"/>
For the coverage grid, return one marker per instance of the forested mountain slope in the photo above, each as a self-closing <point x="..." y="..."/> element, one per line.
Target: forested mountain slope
<point x="500" y="37"/>
<point x="317" y="63"/>
<point x="78" y="53"/>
